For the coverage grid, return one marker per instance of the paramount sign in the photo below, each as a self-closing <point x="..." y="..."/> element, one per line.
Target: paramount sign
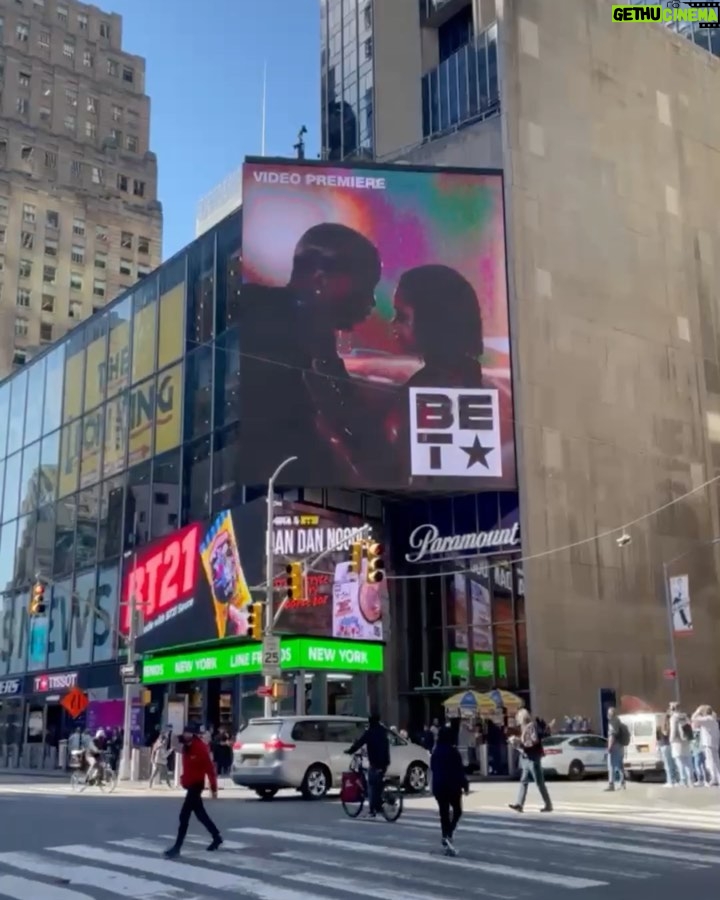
<point x="425" y="541"/>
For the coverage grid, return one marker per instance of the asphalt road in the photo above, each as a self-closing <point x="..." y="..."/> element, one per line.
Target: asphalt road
<point x="57" y="846"/>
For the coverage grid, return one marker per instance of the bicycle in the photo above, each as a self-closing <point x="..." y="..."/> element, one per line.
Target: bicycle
<point x="354" y="792"/>
<point x="104" y="778"/>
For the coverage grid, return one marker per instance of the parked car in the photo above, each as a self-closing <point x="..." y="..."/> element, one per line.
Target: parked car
<point x="575" y="755"/>
<point x="307" y="753"/>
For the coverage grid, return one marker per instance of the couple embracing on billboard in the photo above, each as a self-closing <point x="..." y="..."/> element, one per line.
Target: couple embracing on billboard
<point x="344" y="317"/>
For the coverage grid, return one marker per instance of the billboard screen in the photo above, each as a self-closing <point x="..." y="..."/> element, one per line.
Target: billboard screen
<point x="195" y="585"/>
<point x="374" y="328"/>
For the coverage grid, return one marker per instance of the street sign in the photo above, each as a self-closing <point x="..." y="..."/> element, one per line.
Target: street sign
<point x="670" y="674"/>
<point x="75" y="702"/>
<point x="128" y="670"/>
<point x="271" y="656"/>
<point x="131" y="679"/>
<point x="265" y="690"/>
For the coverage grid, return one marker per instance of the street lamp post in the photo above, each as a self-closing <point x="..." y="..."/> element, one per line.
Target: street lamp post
<point x="125" y="772"/>
<point x="668" y="604"/>
<point x="270" y="572"/>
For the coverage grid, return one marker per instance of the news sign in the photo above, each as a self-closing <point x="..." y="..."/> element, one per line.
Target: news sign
<point x="195" y="585"/>
<point x="375" y="315"/>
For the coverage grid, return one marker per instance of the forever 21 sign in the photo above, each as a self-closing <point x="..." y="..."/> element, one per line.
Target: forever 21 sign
<point x="161" y="577"/>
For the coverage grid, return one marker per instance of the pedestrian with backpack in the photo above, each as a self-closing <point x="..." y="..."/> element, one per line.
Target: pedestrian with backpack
<point x="681" y="738"/>
<point x="618" y="740"/>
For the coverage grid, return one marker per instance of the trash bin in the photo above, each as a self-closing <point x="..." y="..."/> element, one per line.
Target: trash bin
<point x="62" y="757"/>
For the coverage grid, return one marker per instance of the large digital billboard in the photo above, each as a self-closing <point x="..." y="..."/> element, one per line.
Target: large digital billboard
<point x="374" y="327"/>
<point x="195" y="585"/>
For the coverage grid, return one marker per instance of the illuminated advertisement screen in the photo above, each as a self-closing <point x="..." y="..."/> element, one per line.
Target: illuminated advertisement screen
<point x="196" y="584"/>
<point x="374" y="328"/>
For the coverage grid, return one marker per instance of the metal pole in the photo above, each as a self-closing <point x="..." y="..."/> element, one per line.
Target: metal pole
<point x="270" y="570"/>
<point x="126" y="767"/>
<point x="671" y="632"/>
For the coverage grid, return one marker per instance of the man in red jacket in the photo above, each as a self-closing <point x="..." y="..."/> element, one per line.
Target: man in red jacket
<point x="196" y="766"/>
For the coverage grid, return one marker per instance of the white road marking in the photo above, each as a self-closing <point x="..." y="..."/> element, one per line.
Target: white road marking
<point x="29" y="889"/>
<point x="205" y="877"/>
<point x="351" y="886"/>
<point x="565" y="881"/>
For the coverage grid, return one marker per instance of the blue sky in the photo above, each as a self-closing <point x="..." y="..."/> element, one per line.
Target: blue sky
<point x="204" y="78"/>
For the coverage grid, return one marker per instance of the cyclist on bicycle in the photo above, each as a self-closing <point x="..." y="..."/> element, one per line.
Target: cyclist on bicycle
<point x="377" y="745"/>
<point x="94" y="753"/>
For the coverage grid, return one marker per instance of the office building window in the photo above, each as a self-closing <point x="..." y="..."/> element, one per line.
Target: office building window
<point x="25" y="268"/>
<point x="51" y="247"/>
<point x="143" y="245"/>
<point x="23" y="297"/>
<point x="52" y="219"/>
<point x="45" y="114"/>
<point x="126" y="267"/>
<point x="62" y="14"/>
<point x="112" y="68"/>
<point x="48" y="303"/>
<point x="128" y="74"/>
<point x="21" y="327"/>
<point x="24" y="78"/>
<point x="22" y="32"/>
<point x="105" y="30"/>
<point x="90" y="130"/>
<point x="49" y="274"/>
<point x="88" y="59"/>
<point x="44" y="40"/>
<point x="69" y="49"/>
<point x="82" y="21"/>
<point x="126" y="240"/>
<point x="131" y="143"/>
<point x="46" y="331"/>
<point x="27" y="240"/>
<point x="99" y="288"/>
<point x="70" y="123"/>
<point x="101" y="260"/>
<point x="75" y="309"/>
<point x="122" y="183"/>
<point x="29" y="211"/>
<point x="78" y="254"/>
<point x="138" y="188"/>
<point x="76" y="281"/>
<point x="71" y="96"/>
<point x="79" y="227"/>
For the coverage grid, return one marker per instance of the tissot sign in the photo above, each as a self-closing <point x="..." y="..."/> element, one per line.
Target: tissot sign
<point x="60" y="681"/>
<point x="426" y="542"/>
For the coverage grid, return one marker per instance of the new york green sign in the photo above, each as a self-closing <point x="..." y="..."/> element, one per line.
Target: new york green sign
<point x="246" y="659"/>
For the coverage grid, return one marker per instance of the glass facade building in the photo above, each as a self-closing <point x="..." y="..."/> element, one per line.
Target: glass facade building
<point x="118" y="435"/>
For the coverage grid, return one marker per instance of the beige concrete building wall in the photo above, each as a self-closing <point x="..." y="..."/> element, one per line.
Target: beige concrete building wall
<point x="612" y="152"/>
<point x="79" y="216"/>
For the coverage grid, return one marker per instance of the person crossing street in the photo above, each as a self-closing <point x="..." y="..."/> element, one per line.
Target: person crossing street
<point x="196" y="766"/>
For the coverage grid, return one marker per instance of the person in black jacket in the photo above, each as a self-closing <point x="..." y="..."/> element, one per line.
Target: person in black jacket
<point x="377" y="745"/>
<point x="449" y="782"/>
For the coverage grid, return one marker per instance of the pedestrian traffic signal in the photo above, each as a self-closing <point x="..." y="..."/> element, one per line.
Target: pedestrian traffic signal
<point x="376" y="564"/>
<point x="356" y="555"/>
<point x="37" y="599"/>
<point x="294" y="580"/>
<point x="255" y="621"/>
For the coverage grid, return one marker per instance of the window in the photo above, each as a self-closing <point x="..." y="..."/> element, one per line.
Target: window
<point x="69" y="123"/>
<point x="79" y="226"/>
<point x="82" y="21"/>
<point x="51" y="247"/>
<point x="76" y="170"/>
<point x="48" y="303"/>
<point x="22" y="106"/>
<point x="143" y="270"/>
<point x="25" y="268"/>
<point x="132" y="118"/>
<point x="76" y="281"/>
<point x="98" y="288"/>
<point x="128" y="74"/>
<point x="122" y="182"/>
<point x="2" y="263"/>
<point x="92" y="105"/>
<point x="19" y="356"/>
<point x="132" y="143"/>
<point x="45" y="114"/>
<point x="117" y="113"/>
<point x="75" y="309"/>
<point x="26" y="153"/>
<point x="143" y="245"/>
<point x="368" y="48"/>
<point x="126" y="240"/>
<point x="62" y="14"/>
<point x="3" y="234"/>
<point x="23" y="297"/>
<point x="46" y="334"/>
<point x="116" y="136"/>
<point x="22" y="32"/>
<point x="50" y="159"/>
<point x="27" y="240"/>
<point x="21" y="327"/>
<point x="69" y="48"/>
<point x="3" y="206"/>
<point x="101" y="260"/>
<point x="97" y="175"/>
<point x="28" y="212"/>
<point x="105" y="30"/>
<point x="90" y="130"/>
<point x="126" y="267"/>
<point x="139" y="188"/>
<point x="112" y="68"/>
<point x="49" y="274"/>
<point x="71" y="96"/>
<point x="44" y="40"/>
<point x="101" y="233"/>
<point x="88" y="59"/>
<point x="367" y="16"/>
<point x="78" y="254"/>
<point x="24" y="78"/>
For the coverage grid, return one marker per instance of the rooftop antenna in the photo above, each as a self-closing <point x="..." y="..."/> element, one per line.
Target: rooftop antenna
<point x="264" y="110"/>
<point x="300" y="146"/>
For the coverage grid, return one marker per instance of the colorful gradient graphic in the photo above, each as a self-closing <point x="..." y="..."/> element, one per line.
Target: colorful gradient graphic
<point x="416" y="218"/>
<point x="224" y="572"/>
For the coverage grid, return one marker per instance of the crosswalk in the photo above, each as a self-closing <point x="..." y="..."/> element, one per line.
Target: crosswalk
<point x="502" y="856"/>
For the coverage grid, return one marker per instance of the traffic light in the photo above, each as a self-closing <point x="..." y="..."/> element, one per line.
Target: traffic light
<point x="37" y="599"/>
<point x="294" y="580"/>
<point x="356" y="555"/>
<point x="376" y="564"/>
<point x="255" y="621"/>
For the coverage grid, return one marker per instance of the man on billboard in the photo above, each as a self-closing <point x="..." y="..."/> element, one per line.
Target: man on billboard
<point x="294" y="384"/>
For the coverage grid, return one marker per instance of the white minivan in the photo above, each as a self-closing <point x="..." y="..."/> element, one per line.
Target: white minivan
<point x="642" y="755"/>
